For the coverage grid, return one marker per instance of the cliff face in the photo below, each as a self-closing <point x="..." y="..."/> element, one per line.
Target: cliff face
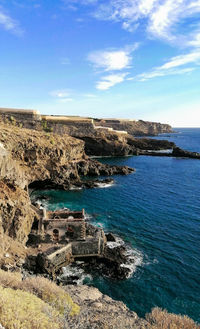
<point x="98" y="134"/>
<point x="15" y="214"/>
<point x="135" y="127"/>
<point x="41" y="156"/>
<point x="103" y="143"/>
<point x="30" y="158"/>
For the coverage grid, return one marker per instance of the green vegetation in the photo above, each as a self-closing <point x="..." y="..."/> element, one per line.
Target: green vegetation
<point x="37" y="303"/>
<point x="19" y="309"/>
<point x="12" y="120"/>
<point x="45" y="127"/>
<point x="34" y="303"/>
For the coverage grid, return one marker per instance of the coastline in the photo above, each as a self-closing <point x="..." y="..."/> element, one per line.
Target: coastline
<point x="16" y="179"/>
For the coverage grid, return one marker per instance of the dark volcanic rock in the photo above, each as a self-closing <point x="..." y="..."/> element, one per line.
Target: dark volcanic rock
<point x="109" y="265"/>
<point x="110" y="143"/>
<point x="135" y="127"/>
<point x="178" y="152"/>
<point x="110" y="237"/>
<point x="150" y="144"/>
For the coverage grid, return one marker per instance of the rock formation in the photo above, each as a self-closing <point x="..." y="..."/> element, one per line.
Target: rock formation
<point x="135" y="127"/>
<point x="102" y="311"/>
<point x="30" y="159"/>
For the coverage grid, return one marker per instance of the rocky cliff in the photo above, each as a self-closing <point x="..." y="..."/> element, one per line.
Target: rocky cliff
<point x="135" y="127"/>
<point x="111" y="143"/>
<point x="32" y="159"/>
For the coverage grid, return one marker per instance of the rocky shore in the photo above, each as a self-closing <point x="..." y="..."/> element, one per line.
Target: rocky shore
<point x="31" y="159"/>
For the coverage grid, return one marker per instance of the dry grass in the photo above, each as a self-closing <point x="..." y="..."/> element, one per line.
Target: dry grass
<point x="43" y="288"/>
<point x="51" y="294"/>
<point x="22" y="310"/>
<point x="161" y="319"/>
<point x="35" y="297"/>
<point x="10" y="280"/>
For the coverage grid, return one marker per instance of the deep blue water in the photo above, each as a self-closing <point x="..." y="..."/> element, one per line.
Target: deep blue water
<point x="157" y="211"/>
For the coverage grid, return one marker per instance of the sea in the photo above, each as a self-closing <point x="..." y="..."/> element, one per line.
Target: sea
<point x="155" y="213"/>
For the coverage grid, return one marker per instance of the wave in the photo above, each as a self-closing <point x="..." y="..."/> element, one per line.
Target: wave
<point x="73" y="274"/>
<point x="104" y="185"/>
<point x="134" y="256"/>
<point x="134" y="259"/>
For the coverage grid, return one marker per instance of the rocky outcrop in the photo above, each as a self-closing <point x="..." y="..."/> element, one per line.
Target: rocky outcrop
<point x="103" y="143"/>
<point x="102" y="312"/>
<point x="51" y="160"/>
<point x="16" y="215"/>
<point x="135" y="127"/>
<point x="178" y="152"/>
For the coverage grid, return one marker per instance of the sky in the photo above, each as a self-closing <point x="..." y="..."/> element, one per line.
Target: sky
<point x="136" y="59"/>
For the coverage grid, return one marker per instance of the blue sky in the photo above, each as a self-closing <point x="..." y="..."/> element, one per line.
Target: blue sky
<point x="103" y="58"/>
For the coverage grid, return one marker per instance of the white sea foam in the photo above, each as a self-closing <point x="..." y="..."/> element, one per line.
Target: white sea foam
<point x="119" y="242"/>
<point x="134" y="256"/>
<point x="135" y="259"/>
<point x="87" y="216"/>
<point x="104" y="185"/>
<point x="72" y="188"/>
<point x="76" y="272"/>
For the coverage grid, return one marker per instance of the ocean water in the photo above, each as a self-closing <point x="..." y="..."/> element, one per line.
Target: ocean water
<point x="156" y="212"/>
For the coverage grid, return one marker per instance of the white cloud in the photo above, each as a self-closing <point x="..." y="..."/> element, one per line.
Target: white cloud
<point x="112" y="60"/>
<point x="194" y="40"/>
<point x="192" y="57"/>
<point x="173" y="66"/>
<point x="160" y="73"/>
<point x="110" y="80"/>
<point x="10" y="24"/>
<point x="164" y="17"/>
<point x="161" y="18"/>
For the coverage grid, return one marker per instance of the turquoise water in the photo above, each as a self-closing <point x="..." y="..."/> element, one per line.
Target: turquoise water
<point x="156" y="210"/>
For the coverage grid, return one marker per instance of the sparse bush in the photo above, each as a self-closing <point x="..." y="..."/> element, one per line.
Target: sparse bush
<point x="12" y="120"/>
<point x="51" y="294"/>
<point x="10" y="280"/>
<point x="161" y="319"/>
<point x="45" y="127"/>
<point x="22" y="310"/>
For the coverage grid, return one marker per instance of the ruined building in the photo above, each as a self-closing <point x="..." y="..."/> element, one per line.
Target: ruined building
<point x="61" y="236"/>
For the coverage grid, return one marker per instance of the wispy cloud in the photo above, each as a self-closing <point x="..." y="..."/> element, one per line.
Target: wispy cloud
<point x="9" y="24"/>
<point x="161" y="18"/>
<point x="109" y="81"/>
<point x="192" y="57"/>
<point x="161" y="73"/>
<point x="174" y="66"/>
<point x="112" y="61"/>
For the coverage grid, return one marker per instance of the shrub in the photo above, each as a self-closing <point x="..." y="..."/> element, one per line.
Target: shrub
<point x="22" y="310"/>
<point x="10" y="280"/>
<point x="161" y="319"/>
<point x="52" y="294"/>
